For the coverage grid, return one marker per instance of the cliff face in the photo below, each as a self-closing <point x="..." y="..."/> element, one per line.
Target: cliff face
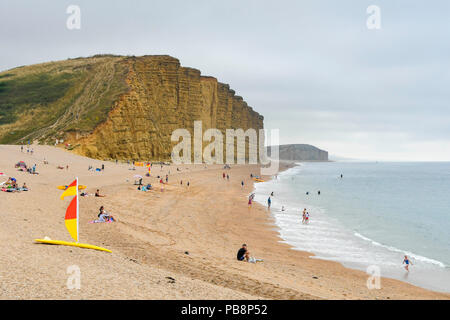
<point x="300" y="152"/>
<point x="163" y="97"/>
<point x="157" y="97"/>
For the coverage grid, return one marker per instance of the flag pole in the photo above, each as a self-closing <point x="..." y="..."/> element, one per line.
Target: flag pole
<point x="77" y="212"/>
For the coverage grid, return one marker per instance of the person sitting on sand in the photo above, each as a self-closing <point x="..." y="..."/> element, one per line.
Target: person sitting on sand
<point x="243" y="253"/>
<point x="24" y="187"/>
<point x="97" y="194"/>
<point x="104" y="216"/>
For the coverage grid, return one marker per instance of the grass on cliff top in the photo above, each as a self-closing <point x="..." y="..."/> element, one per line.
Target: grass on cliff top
<point x="41" y="101"/>
<point x="20" y="94"/>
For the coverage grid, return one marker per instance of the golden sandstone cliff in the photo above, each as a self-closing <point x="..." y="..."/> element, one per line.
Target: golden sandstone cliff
<point x="157" y="96"/>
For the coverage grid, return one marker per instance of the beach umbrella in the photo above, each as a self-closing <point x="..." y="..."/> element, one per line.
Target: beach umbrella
<point x="21" y="164"/>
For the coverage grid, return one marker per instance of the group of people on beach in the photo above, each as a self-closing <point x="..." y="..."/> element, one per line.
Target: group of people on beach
<point x="305" y="216"/>
<point x="11" y="185"/>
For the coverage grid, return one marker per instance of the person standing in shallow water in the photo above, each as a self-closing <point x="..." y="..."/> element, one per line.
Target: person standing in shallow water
<point x="269" y="202"/>
<point x="406" y="262"/>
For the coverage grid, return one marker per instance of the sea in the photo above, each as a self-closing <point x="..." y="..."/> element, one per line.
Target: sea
<point x="369" y="218"/>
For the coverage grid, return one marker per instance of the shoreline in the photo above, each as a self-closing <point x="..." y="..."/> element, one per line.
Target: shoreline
<point x="189" y="234"/>
<point x="389" y="274"/>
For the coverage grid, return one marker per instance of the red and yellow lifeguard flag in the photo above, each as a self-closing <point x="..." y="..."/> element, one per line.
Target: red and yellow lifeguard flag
<point x="71" y="218"/>
<point x="71" y="190"/>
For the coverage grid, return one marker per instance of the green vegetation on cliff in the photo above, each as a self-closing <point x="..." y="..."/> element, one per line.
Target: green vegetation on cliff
<point x="42" y="101"/>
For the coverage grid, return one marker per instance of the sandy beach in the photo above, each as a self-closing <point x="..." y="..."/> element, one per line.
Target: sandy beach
<point x="179" y="243"/>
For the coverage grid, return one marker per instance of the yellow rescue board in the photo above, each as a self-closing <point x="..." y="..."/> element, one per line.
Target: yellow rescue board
<point x="258" y="180"/>
<point x="73" y="244"/>
<point x="80" y="187"/>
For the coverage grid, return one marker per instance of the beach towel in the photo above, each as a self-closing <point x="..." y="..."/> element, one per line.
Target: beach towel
<point x="98" y="221"/>
<point x="254" y="260"/>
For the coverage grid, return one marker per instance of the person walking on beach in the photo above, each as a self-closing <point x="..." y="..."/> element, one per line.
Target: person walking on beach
<point x="242" y="183"/>
<point x="406" y="262"/>
<point x="250" y="200"/>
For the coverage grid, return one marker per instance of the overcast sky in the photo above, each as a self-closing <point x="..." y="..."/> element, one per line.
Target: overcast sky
<point x="312" y="68"/>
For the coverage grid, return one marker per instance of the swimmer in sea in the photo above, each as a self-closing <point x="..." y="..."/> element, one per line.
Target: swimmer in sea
<point x="406" y="262"/>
